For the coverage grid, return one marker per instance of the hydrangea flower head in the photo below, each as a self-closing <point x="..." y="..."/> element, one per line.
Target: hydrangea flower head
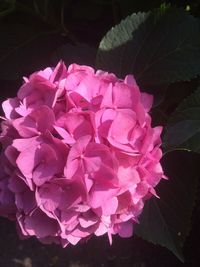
<point x="79" y="155"/>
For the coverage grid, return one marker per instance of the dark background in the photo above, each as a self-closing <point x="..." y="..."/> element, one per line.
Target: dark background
<point x="35" y="34"/>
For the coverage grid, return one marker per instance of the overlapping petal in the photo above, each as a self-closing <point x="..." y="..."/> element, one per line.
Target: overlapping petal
<point x="79" y="155"/>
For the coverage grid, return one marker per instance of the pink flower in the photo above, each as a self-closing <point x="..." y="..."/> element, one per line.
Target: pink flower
<point x="79" y="156"/>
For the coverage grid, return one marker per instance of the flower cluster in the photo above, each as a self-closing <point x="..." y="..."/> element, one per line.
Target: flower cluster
<point x="79" y="156"/>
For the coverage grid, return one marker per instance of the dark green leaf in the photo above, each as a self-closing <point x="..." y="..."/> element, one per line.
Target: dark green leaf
<point x="183" y="129"/>
<point x="166" y="221"/>
<point x="156" y="47"/>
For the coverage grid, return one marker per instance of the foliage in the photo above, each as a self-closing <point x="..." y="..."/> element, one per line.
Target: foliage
<point x="156" y="47"/>
<point x="183" y="128"/>
<point x="166" y="221"/>
<point x="161" y="48"/>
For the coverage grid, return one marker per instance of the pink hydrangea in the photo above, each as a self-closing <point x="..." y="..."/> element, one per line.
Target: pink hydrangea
<point x="79" y="156"/>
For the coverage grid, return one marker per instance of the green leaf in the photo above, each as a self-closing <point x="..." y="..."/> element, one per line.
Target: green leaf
<point x="183" y="129"/>
<point x="166" y="221"/>
<point x="158" y="48"/>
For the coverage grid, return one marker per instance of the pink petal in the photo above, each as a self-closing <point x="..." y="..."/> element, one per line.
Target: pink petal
<point x="40" y="225"/>
<point x="147" y="101"/>
<point x="126" y="229"/>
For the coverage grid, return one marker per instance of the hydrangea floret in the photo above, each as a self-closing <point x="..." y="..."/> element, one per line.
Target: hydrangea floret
<point x="79" y="155"/>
